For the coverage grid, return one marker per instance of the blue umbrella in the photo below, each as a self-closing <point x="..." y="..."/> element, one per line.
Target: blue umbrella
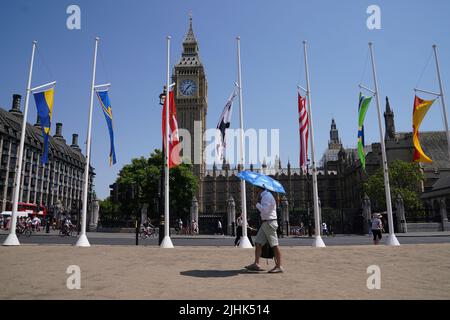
<point x="261" y="180"/>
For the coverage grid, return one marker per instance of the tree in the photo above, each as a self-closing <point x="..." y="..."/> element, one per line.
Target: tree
<point x="404" y="179"/>
<point x="144" y="174"/>
<point x="108" y="210"/>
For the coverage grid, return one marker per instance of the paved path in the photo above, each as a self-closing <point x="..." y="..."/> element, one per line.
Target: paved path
<point x="119" y="272"/>
<point x="216" y="240"/>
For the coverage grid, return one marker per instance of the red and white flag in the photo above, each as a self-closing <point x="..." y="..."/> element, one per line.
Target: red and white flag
<point x="174" y="141"/>
<point x="304" y="127"/>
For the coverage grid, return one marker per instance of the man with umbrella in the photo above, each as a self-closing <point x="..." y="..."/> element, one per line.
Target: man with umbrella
<point x="268" y="211"/>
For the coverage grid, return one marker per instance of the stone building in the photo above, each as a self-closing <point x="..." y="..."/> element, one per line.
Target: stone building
<point x="340" y="176"/>
<point x="57" y="185"/>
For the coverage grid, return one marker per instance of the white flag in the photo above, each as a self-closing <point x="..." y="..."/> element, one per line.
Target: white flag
<point x="222" y="126"/>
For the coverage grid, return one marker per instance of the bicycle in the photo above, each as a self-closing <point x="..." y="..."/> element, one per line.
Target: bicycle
<point x="146" y="233"/>
<point x="21" y="230"/>
<point x="66" y="231"/>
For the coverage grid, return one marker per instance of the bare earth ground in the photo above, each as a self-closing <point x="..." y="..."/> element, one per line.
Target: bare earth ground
<point x="114" y="272"/>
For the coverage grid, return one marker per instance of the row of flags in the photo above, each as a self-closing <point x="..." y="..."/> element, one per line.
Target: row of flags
<point x="421" y="108"/>
<point x="44" y="105"/>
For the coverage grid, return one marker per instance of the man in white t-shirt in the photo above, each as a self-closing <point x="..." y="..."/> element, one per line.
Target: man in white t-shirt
<point x="324" y="229"/>
<point x="267" y="232"/>
<point x="36" y="223"/>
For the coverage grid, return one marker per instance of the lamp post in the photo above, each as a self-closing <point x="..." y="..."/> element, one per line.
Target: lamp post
<point x="162" y="98"/>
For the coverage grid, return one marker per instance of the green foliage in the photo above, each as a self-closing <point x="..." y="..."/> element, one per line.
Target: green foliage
<point x="108" y="209"/>
<point x="404" y="179"/>
<point x="144" y="175"/>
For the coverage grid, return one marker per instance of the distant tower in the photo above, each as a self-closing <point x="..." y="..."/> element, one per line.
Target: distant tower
<point x="389" y="121"/>
<point x="334" y="142"/>
<point x="191" y="92"/>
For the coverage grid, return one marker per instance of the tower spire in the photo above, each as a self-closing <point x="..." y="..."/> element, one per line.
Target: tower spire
<point x="190" y="37"/>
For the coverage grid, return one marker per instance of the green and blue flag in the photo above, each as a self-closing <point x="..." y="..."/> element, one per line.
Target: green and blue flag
<point x="363" y="106"/>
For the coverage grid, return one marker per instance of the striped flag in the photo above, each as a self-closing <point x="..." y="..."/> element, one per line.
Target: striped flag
<point x="304" y="127"/>
<point x="103" y="98"/>
<point x="44" y="105"/>
<point x="421" y="108"/>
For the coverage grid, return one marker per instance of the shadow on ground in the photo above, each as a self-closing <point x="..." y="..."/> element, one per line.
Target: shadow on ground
<point x="212" y="273"/>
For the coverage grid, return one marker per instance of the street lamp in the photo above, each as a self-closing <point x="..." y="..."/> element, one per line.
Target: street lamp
<point x="162" y="98"/>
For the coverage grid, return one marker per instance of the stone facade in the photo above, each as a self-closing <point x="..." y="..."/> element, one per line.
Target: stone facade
<point x="57" y="185"/>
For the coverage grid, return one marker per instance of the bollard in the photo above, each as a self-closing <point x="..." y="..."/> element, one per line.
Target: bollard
<point x="161" y="229"/>
<point x="137" y="233"/>
<point x="47" y="226"/>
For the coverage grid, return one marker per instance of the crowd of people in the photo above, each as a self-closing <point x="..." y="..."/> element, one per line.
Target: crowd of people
<point x="186" y="229"/>
<point x="36" y="223"/>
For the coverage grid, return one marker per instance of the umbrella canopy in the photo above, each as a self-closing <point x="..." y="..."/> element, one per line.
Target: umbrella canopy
<point x="261" y="180"/>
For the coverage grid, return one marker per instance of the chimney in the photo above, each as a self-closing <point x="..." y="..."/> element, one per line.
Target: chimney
<point x="58" y="133"/>
<point x="75" y="142"/>
<point x="15" y="109"/>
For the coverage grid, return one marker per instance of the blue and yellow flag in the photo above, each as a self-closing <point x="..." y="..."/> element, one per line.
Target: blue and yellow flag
<point x="44" y="105"/>
<point x="107" y="111"/>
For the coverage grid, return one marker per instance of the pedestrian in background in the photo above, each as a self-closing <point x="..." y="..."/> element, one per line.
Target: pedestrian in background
<point x="377" y="227"/>
<point x="219" y="227"/>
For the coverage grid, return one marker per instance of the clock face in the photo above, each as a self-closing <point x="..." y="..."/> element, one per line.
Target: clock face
<point x="188" y="87"/>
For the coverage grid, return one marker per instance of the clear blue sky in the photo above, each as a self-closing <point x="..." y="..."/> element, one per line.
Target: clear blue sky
<point x="133" y="51"/>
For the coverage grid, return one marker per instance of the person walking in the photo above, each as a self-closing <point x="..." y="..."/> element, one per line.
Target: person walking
<point x="267" y="232"/>
<point x="219" y="227"/>
<point x="324" y="229"/>
<point x="377" y="227"/>
<point x="194" y="227"/>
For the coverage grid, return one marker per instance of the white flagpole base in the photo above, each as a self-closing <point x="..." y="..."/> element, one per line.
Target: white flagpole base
<point x="11" y="240"/>
<point x="318" y="242"/>
<point x="392" y="240"/>
<point x="166" y="243"/>
<point x="244" y="243"/>
<point x="83" y="241"/>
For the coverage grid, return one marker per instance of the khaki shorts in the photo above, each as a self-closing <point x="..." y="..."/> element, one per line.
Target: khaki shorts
<point x="268" y="233"/>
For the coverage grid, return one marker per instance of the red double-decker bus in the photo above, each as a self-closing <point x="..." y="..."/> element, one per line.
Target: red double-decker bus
<point x="31" y="209"/>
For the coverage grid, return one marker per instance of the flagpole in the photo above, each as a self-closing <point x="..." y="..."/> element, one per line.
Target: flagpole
<point x="392" y="239"/>
<point x="441" y="87"/>
<point x="167" y="242"/>
<point x="83" y="240"/>
<point x="318" y="242"/>
<point x="244" y="243"/>
<point x="12" y="239"/>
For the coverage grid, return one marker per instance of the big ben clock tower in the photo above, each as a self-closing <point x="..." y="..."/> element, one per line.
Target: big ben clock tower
<point x="191" y="91"/>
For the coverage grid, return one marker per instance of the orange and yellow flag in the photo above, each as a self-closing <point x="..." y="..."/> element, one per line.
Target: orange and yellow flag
<point x="421" y="108"/>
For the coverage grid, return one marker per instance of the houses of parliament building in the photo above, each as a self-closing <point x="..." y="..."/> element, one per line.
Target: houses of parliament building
<point x="340" y="176"/>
